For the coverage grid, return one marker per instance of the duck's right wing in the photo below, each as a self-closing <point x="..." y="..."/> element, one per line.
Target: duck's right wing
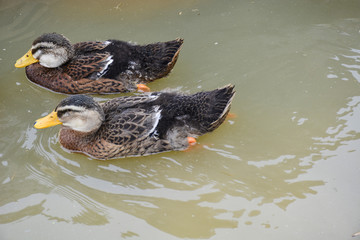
<point x="91" y="46"/>
<point x="131" y="125"/>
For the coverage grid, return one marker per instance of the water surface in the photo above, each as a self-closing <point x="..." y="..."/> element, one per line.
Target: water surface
<point x="285" y="167"/>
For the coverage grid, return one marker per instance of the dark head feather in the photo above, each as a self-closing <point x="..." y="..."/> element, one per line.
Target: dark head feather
<point x="54" y="38"/>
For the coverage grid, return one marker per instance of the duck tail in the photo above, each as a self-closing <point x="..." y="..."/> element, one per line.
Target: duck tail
<point x="172" y="53"/>
<point x="218" y="104"/>
<point x="193" y="115"/>
<point x="222" y="102"/>
<point x="204" y="111"/>
<point x="160" y="58"/>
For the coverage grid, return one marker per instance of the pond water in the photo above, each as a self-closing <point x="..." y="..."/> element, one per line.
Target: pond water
<point x="285" y="166"/>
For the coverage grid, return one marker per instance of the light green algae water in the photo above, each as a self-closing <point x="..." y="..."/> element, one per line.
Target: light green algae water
<point x="285" y="167"/>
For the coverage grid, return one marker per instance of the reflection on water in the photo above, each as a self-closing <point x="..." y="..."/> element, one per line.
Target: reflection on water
<point x="297" y="108"/>
<point x="156" y="189"/>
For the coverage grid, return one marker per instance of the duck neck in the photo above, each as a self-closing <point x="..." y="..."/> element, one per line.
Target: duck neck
<point x="75" y="140"/>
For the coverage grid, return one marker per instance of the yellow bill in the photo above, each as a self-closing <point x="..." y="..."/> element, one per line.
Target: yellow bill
<point x="26" y="60"/>
<point x="48" y="121"/>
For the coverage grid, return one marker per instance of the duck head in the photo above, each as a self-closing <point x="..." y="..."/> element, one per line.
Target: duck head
<point x="51" y="50"/>
<point x="79" y="112"/>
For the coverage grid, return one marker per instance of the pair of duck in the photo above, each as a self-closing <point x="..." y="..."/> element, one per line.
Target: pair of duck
<point x="125" y="126"/>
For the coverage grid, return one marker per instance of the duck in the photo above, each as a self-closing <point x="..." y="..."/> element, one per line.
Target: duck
<point x="101" y="67"/>
<point x="138" y="125"/>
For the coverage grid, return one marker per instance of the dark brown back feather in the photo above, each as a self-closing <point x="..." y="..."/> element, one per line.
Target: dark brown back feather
<point x="201" y="112"/>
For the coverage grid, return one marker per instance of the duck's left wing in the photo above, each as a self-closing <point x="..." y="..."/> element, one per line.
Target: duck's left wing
<point x="91" y="66"/>
<point x="91" y="46"/>
<point x="117" y="104"/>
<point x="131" y="125"/>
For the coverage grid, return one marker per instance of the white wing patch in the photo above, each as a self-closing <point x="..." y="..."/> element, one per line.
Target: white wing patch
<point x="156" y="118"/>
<point x="106" y="63"/>
<point x="106" y="43"/>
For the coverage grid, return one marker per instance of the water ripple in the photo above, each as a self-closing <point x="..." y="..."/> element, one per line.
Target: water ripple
<point x="23" y="15"/>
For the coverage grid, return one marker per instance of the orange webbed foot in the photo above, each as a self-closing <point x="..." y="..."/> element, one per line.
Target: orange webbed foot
<point x="231" y="115"/>
<point x="142" y="88"/>
<point x="191" y="141"/>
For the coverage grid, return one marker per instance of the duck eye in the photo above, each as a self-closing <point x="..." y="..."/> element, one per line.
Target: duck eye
<point x="65" y="112"/>
<point x="62" y="113"/>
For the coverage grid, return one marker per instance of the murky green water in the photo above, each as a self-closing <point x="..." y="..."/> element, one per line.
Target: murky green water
<point x="286" y="167"/>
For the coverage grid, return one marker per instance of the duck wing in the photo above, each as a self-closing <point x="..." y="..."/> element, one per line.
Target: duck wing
<point x="117" y="104"/>
<point x="129" y="126"/>
<point x="90" y="46"/>
<point x="91" y="66"/>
